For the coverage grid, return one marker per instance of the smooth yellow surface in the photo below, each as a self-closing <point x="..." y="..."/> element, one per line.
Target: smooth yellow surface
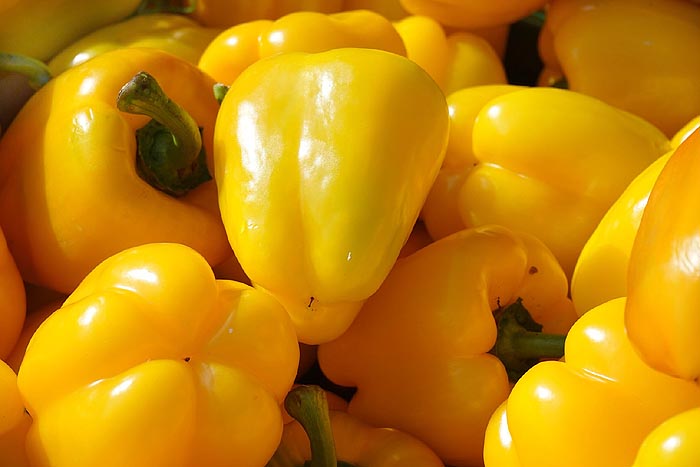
<point x="358" y="443"/>
<point x="634" y="55"/>
<point x="674" y="443"/>
<point x="595" y="408"/>
<point x="551" y="162"/>
<point x="664" y="270"/>
<point x="238" y="47"/>
<point x="69" y="192"/>
<point x="173" y="33"/>
<point x="601" y="269"/>
<point x="323" y="162"/>
<point x="154" y="362"/>
<point x="225" y="13"/>
<point x="455" y="61"/>
<point x="418" y="350"/>
<point x="473" y="13"/>
<point x="13" y="421"/>
<point x="41" y="28"/>
<point x="13" y="305"/>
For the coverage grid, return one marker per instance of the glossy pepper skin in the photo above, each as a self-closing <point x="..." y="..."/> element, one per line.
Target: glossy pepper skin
<point x="456" y="60"/>
<point x="14" y="422"/>
<point x="663" y="270"/>
<point x="151" y="361"/>
<point x="358" y="444"/>
<point x="173" y="33"/>
<point x="593" y="408"/>
<point x="225" y="13"/>
<point x="675" y="442"/>
<point x="13" y="305"/>
<point x="643" y="67"/>
<point x="322" y="173"/>
<point x="551" y="162"/>
<point x="423" y="339"/>
<point x="41" y="28"/>
<point x="473" y="13"/>
<point x="63" y="215"/>
<point x="238" y="47"/>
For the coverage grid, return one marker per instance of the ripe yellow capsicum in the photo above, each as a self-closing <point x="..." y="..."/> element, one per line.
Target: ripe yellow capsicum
<point x="551" y="162"/>
<point x="238" y="47"/>
<point x="13" y="305"/>
<point x="664" y="270"/>
<point x="674" y="443"/>
<point x="41" y="28"/>
<point x="225" y="13"/>
<point x="473" y="13"/>
<point x="173" y="33"/>
<point x="322" y="165"/>
<point x="151" y="361"/>
<point x="326" y="437"/>
<point x="14" y="422"/>
<point x="418" y="352"/>
<point x="594" y="408"/>
<point x="456" y="60"/>
<point x="643" y="67"/>
<point x="72" y="189"/>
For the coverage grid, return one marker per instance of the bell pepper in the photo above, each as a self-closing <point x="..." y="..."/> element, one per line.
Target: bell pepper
<point x="63" y="215"/>
<point x="390" y="9"/>
<point x="601" y="269"/>
<point x="440" y="212"/>
<point x="454" y="61"/>
<point x="322" y="166"/>
<point x="31" y="324"/>
<point x="643" y="67"/>
<point x="151" y="361"/>
<point x="593" y="408"/>
<point x="238" y="47"/>
<point x="41" y="28"/>
<point x="20" y="77"/>
<point x="663" y="272"/>
<point x="333" y="437"/>
<point x="173" y="33"/>
<point x="13" y="307"/>
<point x="224" y="13"/>
<point x="675" y="442"/>
<point x="551" y="162"/>
<point x="419" y="350"/>
<point x="14" y="422"/>
<point x="473" y="13"/>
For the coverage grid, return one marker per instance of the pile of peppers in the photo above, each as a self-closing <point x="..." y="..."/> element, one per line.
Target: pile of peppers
<point x="349" y="233"/>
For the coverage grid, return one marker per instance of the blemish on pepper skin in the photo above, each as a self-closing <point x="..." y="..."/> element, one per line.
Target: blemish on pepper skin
<point x="187" y="359"/>
<point x="533" y="270"/>
<point x="311" y="301"/>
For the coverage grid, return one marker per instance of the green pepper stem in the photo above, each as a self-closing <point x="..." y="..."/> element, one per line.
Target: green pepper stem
<point x="170" y="149"/>
<point x="36" y="71"/>
<point x="220" y="90"/>
<point x="520" y="343"/>
<point x="180" y="7"/>
<point x="307" y="404"/>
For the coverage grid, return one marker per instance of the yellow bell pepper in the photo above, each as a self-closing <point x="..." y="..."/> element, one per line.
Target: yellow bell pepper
<point x="390" y="9"/>
<point x="173" y="33"/>
<point x="238" y="47"/>
<point x="13" y="305"/>
<point x="322" y="165"/>
<point x="329" y="437"/>
<point x="225" y="13"/>
<point x="644" y="67"/>
<point x="41" y="28"/>
<point x="31" y="324"/>
<point x="663" y="275"/>
<point x="14" y="422"/>
<point x="601" y="269"/>
<point x="674" y="443"/>
<point x="441" y="212"/>
<point x="62" y="215"/>
<point x="551" y="162"/>
<point x="418" y="352"/>
<point x="151" y="361"/>
<point x="594" y="408"/>
<point x="473" y="13"/>
<point x="454" y="61"/>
